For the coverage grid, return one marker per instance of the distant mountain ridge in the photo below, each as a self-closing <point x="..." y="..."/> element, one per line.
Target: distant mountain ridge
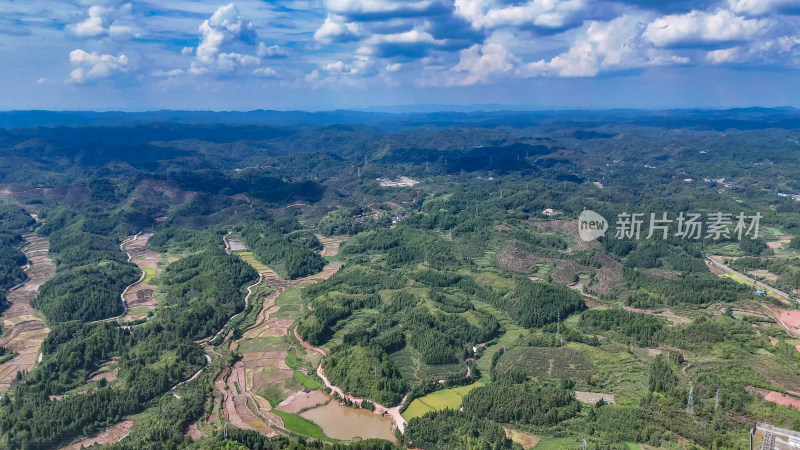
<point x="741" y="118"/>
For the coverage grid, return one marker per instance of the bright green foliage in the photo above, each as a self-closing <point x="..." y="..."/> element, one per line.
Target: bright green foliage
<point x="284" y="247"/>
<point x="451" y="429"/>
<point x="365" y="372"/>
<point x="203" y="291"/>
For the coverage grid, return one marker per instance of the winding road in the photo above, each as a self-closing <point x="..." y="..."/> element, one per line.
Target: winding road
<point x="246" y="303"/>
<point x="750" y="279"/>
<point x="122" y="244"/>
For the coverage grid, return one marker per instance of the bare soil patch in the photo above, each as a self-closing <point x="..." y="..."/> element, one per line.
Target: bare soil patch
<point x="782" y="241"/>
<point x="110" y="435"/>
<point x="594" y="397"/>
<point x="666" y="313"/>
<point x="194" y="432"/>
<point x="141" y="295"/>
<point x="775" y="397"/>
<point x="526" y="440"/>
<point x="764" y="275"/>
<point x="141" y="256"/>
<point x="791" y="319"/>
<point x="300" y="401"/>
<point x="609" y="275"/>
<point x="521" y="261"/>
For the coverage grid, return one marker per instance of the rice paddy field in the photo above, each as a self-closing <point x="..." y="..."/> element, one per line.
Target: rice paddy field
<point x="250" y="259"/>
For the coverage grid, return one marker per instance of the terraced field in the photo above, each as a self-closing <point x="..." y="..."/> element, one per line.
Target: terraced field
<point x="24" y="328"/>
<point x="140" y="298"/>
<point x="546" y="363"/>
<point x="274" y="366"/>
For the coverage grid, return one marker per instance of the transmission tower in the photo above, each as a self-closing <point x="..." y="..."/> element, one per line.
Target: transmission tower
<point x="690" y="403"/>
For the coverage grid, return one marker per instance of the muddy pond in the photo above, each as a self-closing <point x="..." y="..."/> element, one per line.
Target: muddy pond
<point x="337" y="421"/>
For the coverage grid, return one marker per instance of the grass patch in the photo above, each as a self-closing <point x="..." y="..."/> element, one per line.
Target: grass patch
<point x="302" y="426"/>
<point x="250" y="259"/>
<point x="148" y="275"/>
<point x="306" y="380"/>
<point x="542" y="270"/>
<point x="236" y="385"/>
<point x="293" y="311"/>
<point x="737" y="278"/>
<point x="436" y="401"/>
<point x="292" y="360"/>
<point x="289" y="297"/>
<point x="274" y="394"/>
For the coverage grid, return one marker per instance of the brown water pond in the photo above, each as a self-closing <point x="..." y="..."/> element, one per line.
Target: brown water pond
<point x="346" y="424"/>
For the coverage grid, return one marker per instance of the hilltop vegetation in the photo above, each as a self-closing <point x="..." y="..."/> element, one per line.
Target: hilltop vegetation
<point x="459" y="280"/>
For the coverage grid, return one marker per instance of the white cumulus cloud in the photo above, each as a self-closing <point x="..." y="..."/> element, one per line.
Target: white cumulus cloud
<point x="92" y="66"/>
<point x="784" y="50"/>
<point x="480" y="63"/>
<point x="606" y="46"/>
<point x="759" y="7"/>
<point x="105" y="21"/>
<point x="355" y="7"/>
<point x="540" y="13"/>
<point x="335" y="29"/>
<point x="224" y="27"/>
<point x="361" y="66"/>
<point x="267" y="72"/>
<point x="701" y="27"/>
<point x="271" y="51"/>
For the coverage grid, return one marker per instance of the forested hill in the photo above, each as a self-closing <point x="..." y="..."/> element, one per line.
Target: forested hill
<point x="426" y="262"/>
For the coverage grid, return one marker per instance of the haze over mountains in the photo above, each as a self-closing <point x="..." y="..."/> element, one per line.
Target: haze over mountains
<point x="742" y="118"/>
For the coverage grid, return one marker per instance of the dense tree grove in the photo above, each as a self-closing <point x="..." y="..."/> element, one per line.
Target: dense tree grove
<point x="99" y="287"/>
<point x="695" y="288"/>
<point x="365" y="372"/>
<point x="202" y="292"/>
<point x="11" y="262"/>
<point x="284" y="247"/>
<point x="71" y="352"/>
<point x="643" y="328"/>
<point x="444" y="336"/>
<point x="450" y="429"/>
<point x="662" y="378"/>
<point x="533" y="304"/>
<point x="180" y="239"/>
<point x="528" y="402"/>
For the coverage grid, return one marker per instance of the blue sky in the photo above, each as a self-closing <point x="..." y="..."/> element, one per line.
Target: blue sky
<point x="328" y="54"/>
